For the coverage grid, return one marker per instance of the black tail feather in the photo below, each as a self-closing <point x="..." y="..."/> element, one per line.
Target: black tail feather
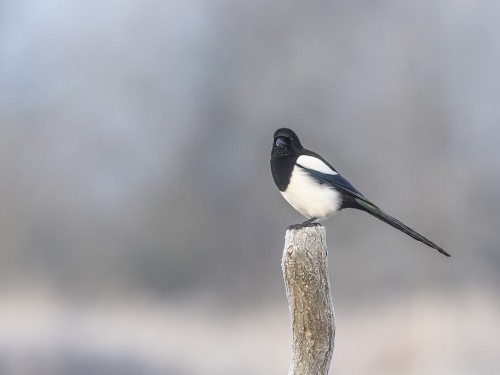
<point x="379" y="214"/>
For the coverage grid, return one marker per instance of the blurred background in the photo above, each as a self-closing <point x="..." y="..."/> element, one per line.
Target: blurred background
<point x="141" y="231"/>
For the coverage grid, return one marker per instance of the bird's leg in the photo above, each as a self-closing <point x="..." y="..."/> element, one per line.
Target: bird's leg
<point x="304" y="224"/>
<point x="307" y="222"/>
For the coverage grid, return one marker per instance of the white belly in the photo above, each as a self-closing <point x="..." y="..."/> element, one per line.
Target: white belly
<point x="309" y="197"/>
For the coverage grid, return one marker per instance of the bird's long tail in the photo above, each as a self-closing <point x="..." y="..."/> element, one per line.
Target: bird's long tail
<point x="379" y="214"/>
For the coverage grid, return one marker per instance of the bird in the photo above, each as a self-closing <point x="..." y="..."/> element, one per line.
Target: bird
<point x="315" y="189"/>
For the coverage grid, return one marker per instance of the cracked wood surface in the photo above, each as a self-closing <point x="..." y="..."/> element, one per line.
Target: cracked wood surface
<point x="305" y="271"/>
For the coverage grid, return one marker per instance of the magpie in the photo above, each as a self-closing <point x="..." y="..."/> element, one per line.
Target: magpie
<point x="315" y="189"/>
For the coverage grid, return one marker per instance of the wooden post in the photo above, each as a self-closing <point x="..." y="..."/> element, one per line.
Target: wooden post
<point x="305" y="270"/>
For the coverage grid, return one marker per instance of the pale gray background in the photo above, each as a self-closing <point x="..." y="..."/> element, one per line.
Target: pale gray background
<point x="141" y="231"/>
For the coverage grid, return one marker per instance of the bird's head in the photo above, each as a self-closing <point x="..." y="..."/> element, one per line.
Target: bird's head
<point x="285" y="143"/>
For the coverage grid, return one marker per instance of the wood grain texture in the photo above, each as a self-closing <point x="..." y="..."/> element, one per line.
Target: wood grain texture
<point x="305" y="270"/>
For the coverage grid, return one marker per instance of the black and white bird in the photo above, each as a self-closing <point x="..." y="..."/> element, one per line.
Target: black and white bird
<point x="315" y="189"/>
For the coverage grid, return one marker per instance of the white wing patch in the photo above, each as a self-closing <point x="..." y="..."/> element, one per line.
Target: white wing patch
<point x="310" y="162"/>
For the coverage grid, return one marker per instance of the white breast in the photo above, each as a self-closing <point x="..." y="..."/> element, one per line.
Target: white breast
<point x="309" y="197"/>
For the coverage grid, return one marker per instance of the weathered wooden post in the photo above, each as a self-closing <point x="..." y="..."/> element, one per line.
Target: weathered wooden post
<point x="305" y="270"/>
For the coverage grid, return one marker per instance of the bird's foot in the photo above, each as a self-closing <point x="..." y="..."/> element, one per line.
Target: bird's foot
<point x="307" y="223"/>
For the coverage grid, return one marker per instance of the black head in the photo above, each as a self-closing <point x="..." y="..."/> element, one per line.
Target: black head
<point x="285" y="143"/>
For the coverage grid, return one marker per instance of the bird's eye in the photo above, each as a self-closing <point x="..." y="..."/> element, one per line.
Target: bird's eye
<point x="282" y="142"/>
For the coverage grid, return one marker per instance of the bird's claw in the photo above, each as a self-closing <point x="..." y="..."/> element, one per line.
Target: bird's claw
<point x="307" y="223"/>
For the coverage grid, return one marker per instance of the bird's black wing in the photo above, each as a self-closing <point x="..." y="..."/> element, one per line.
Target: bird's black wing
<point x="337" y="181"/>
<point x="352" y="198"/>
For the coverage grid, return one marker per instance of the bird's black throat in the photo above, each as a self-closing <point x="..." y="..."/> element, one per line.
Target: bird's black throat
<point x="281" y="168"/>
